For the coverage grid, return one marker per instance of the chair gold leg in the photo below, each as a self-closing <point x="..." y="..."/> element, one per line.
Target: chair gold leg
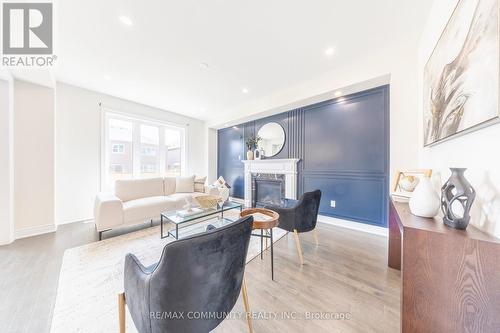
<point x="299" y="248"/>
<point x="246" y="304"/>
<point x="315" y="234"/>
<point x="121" y="311"/>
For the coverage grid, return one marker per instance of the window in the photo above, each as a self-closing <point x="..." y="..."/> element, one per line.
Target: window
<point x="150" y="142"/>
<point x="148" y="151"/>
<point x="140" y="148"/>
<point x="118" y="148"/>
<point x="148" y="168"/>
<point x="120" y="161"/>
<point x="173" y="152"/>
<point x="116" y="168"/>
<point x="173" y="166"/>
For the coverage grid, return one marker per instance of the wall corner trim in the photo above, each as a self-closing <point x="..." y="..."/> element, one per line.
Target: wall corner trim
<point x="7" y="241"/>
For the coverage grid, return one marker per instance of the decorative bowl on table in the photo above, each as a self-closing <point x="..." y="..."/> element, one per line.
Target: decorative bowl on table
<point x="409" y="183"/>
<point x="208" y="201"/>
<point x="224" y="193"/>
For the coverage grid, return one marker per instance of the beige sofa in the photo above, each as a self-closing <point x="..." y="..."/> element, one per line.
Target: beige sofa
<point x="138" y="201"/>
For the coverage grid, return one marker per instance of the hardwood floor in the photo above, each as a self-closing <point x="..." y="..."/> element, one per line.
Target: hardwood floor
<point x="345" y="274"/>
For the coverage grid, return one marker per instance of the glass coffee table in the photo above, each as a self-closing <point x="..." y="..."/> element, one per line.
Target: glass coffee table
<point x="175" y="218"/>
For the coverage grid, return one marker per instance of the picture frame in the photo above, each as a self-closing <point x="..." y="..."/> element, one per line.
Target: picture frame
<point x="405" y="182"/>
<point x="462" y="75"/>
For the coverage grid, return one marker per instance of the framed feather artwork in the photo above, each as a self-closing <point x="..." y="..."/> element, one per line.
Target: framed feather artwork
<point x="461" y="77"/>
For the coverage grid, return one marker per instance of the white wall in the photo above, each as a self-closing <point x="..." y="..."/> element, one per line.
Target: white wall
<point x="6" y="163"/>
<point x="478" y="151"/>
<point x="34" y="131"/>
<point x="78" y="133"/>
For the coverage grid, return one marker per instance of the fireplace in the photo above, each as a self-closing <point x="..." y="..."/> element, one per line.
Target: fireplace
<point x="267" y="189"/>
<point x="279" y="174"/>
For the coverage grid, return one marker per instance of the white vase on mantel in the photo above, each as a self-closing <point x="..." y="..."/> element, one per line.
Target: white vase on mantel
<point x="249" y="155"/>
<point x="424" y="201"/>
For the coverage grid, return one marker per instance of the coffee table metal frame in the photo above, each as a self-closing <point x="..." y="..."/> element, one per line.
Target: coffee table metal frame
<point x="167" y="216"/>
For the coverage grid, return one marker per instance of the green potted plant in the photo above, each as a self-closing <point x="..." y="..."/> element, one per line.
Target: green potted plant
<point x="251" y="144"/>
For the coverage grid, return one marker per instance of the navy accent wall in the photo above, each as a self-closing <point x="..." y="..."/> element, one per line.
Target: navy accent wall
<point x="230" y="153"/>
<point x="344" y="150"/>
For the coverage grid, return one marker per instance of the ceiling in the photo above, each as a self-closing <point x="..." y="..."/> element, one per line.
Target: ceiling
<point x="196" y="57"/>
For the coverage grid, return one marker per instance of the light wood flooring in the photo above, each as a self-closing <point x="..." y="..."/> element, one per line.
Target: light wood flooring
<point x="345" y="275"/>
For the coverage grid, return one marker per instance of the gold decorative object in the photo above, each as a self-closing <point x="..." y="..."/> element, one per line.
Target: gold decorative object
<point x="208" y="201"/>
<point x="408" y="183"/>
<point x="405" y="182"/>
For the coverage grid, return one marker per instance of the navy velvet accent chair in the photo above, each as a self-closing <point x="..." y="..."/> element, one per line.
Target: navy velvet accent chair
<point x="299" y="216"/>
<point x="201" y="275"/>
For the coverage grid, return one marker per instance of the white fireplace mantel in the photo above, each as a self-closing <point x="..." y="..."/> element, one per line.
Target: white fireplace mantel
<point x="284" y="166"/>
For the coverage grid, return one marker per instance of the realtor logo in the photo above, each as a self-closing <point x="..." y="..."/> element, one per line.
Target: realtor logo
<point x="27" y="28"/>
<point x="27" y="34"/>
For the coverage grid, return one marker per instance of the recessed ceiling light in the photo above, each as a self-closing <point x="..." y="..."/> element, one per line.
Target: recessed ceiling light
<point x="126" y="20"/>
<point x="244" y="90"/>
<point x="338" y="93"/>
<point x="329" y="51"/>
<point x="204" y="65"/>
<point x="107" y="77"/>
<point x="341" y="99"/>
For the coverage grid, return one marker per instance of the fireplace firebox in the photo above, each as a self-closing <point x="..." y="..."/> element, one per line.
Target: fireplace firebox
<point x="267" y="189"/>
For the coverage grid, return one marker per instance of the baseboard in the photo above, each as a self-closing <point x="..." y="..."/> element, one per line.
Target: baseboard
<point x="75" y="221"/>
<point x="34" y="231"/>
<point x="8" y="241"/>
<point x="371" y="229"/>
<point x="353" y="225"/>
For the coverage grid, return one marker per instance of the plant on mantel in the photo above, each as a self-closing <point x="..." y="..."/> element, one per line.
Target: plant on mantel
<point x="252" y="143"/>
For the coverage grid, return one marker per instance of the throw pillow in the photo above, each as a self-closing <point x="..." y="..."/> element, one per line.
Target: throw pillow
<point x="184" y="184"/>
<point x="199" y="184"/>
<point x="221" y="182"/>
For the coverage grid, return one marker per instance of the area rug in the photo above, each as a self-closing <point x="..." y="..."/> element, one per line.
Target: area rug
<point x="92" y="276"/>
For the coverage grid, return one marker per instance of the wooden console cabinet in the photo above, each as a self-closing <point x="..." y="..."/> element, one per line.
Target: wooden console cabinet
<point x="450" y="278"/>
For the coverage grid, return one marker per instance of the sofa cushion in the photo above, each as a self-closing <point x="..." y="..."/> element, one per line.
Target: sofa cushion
<point x="138" y="188"/>
<point x="169" y="185"/>
<point x="147" y="208"/>
<point x="199" y="184"/>
<point x="184" y="184"/>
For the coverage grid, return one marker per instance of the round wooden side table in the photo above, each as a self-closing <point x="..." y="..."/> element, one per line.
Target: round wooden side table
<point x="261" y="224"/>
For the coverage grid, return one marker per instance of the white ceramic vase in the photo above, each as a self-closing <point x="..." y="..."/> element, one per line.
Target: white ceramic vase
<point x="424" y="201"/>
<point x="249" y="155"/>
<point x="256" y="154"/>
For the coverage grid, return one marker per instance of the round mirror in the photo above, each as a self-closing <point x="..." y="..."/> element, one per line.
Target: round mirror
<point x="272" y="138"/>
